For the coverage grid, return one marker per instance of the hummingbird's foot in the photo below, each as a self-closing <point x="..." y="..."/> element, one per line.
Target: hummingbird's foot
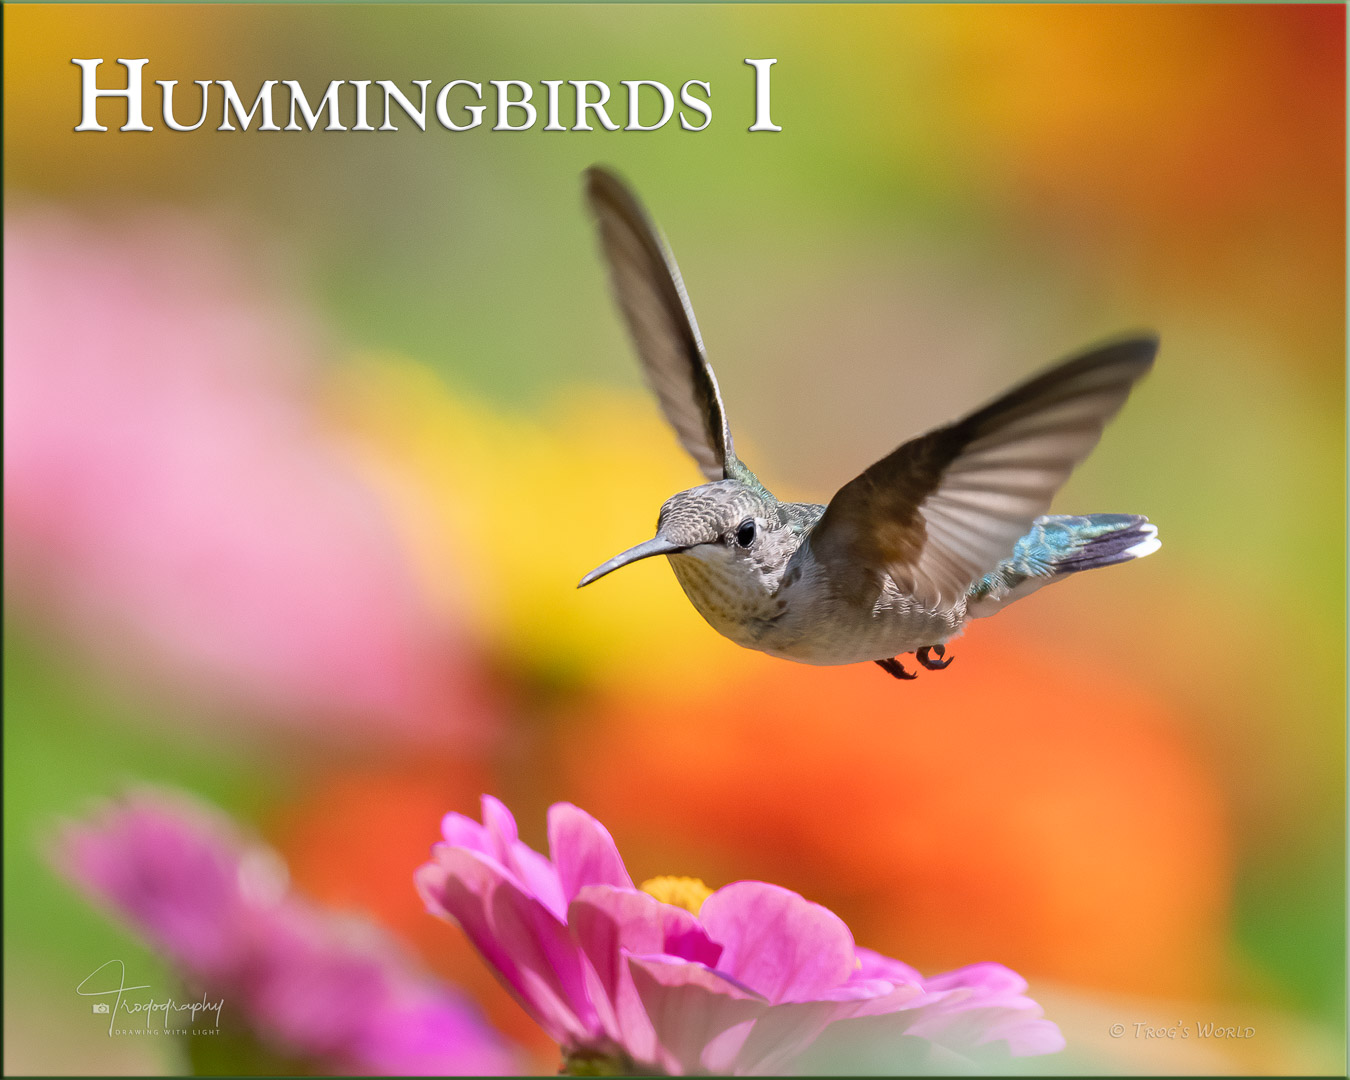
<point x="897" y="669"/>
<point x="933" y="665"/>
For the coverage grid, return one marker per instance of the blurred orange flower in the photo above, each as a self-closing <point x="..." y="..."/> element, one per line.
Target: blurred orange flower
<point x="353" y="838"/>
<point x="1005" y="808"/>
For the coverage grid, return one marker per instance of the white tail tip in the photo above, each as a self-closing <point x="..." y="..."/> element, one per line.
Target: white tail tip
<point x="1146" y="546"/>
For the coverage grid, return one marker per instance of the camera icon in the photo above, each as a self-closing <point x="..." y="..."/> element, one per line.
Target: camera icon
<point x="101" y="1007"/>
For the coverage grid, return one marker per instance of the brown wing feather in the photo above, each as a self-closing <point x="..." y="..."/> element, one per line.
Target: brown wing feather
<point x="943" y="510"/>
<point x="650" y="293"/>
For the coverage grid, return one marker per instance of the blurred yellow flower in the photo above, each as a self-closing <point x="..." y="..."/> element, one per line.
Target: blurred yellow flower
<point x="515" y="508"/>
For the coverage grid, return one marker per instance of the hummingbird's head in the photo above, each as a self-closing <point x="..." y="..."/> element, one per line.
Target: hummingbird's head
<point x="726" y="524"/>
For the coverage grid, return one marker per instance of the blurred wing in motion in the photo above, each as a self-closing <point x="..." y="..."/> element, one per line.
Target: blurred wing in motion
<point x="945" y="508"/>
<point x="649" y="291"/>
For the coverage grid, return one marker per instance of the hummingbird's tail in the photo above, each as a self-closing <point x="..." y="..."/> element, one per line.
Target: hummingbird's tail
<point x="1058" y="546"/>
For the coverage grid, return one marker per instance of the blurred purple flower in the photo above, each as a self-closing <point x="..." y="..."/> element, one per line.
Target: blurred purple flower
<point x="172" y="499"/>
<point x="330" y="990"/>
<point x="741" y="980"/>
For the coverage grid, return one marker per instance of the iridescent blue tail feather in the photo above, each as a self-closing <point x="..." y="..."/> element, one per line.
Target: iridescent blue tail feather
<point x="1058" y="546"/>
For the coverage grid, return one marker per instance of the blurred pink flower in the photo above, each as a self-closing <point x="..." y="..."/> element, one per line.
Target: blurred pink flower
<point x="740" y="980"/>
<point x="171" y="498"/>
<point x="327" y="989"/>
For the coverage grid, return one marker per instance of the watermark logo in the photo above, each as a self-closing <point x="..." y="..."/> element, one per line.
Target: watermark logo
<point x="131" y="1012"/>
<point x="1181" y="1030"/>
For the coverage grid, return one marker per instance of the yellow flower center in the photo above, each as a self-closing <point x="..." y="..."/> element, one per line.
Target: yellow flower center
<point x="686" y="892"/>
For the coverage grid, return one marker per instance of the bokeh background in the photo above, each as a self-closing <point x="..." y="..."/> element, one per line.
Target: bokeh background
<point x="308" y="438"/>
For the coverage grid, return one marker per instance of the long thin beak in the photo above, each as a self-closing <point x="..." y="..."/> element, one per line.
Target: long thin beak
<point x="645" y="550"/>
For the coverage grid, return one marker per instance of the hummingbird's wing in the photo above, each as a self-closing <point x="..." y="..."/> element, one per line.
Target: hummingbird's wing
<point x="943" y="509"/>
<point x="650" y="293"/>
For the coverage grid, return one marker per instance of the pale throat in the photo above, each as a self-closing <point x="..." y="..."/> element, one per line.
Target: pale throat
<point x="728" y="595"/>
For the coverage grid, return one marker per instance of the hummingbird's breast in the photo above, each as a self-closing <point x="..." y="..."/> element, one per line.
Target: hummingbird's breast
<point x="733" y="603"/>
<point x="808" y="617"/>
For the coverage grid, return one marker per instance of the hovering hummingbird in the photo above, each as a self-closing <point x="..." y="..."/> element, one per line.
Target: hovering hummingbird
<point x="947" y="528"/>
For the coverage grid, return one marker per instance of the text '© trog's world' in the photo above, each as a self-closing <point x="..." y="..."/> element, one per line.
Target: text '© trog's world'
<point x="384" y="105"/>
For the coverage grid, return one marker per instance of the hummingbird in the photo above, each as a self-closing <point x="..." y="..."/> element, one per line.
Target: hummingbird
<point x="951" y="526"/>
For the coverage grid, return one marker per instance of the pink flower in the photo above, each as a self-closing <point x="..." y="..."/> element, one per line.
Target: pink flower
<point x="173" y="501"/>
<point x="311" y="985"/>
<point x="740" y="980"/>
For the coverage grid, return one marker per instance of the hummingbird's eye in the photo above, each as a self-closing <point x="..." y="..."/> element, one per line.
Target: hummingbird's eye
<point x="745" y="535"/>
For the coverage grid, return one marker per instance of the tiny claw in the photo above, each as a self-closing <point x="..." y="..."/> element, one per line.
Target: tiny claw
<point x="933" y="665"/>
<point x="896" y="669"/>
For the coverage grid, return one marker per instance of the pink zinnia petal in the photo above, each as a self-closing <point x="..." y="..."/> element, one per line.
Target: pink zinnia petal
<point x="967" y="1019"/>
<point x="518" y="936"/>
<point x="583" y="851"/>
<point x="610" y="924"/>
<point x="971" y="1018"/>
<point x="782" y="1033"/>
<point x="537" y="876"/>
<point x="986" y="978"/>
<point x="497" y="839"/>
<point x="784" y="946"/>
<point x="691" y="1007"/>
<point x="872" y="965"/>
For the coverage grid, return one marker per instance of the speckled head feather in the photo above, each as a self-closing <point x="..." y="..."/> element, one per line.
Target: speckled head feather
<point x="708" y="514"/>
